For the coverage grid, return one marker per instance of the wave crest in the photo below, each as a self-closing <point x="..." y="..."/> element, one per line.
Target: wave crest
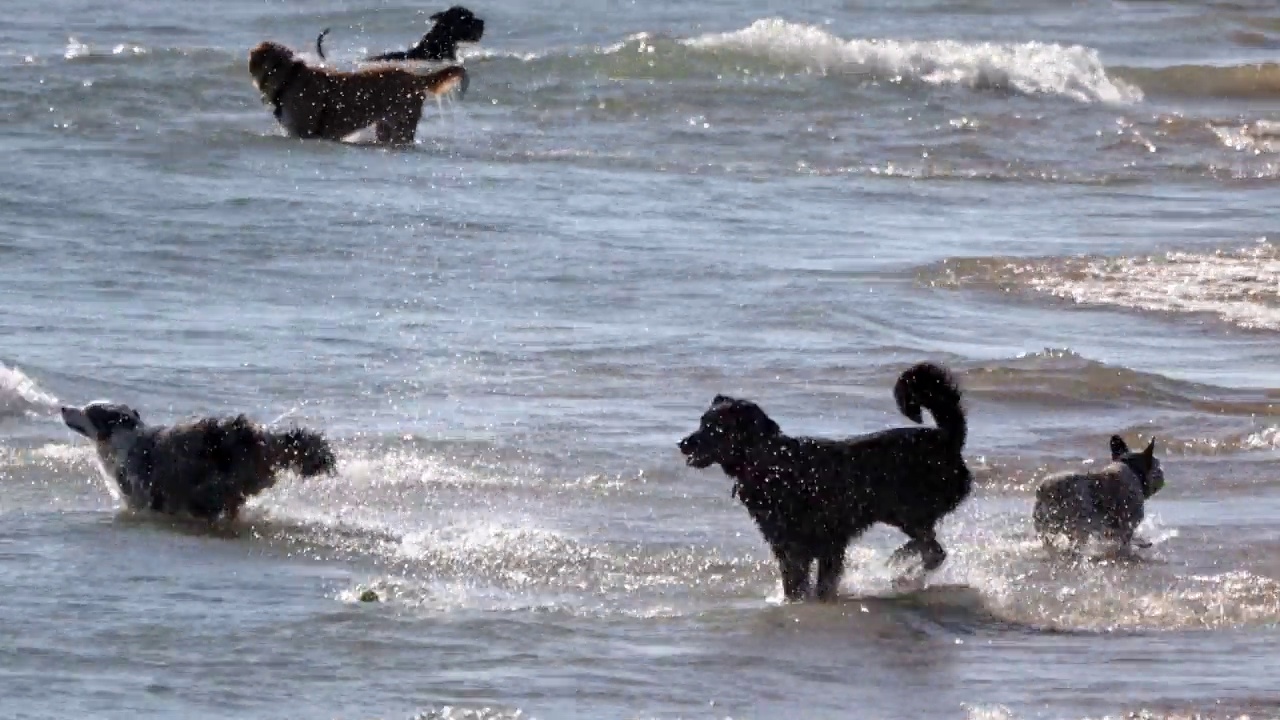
<point x="1240" y="287"/>
<point x="1030" y="68"/>
<point x="1258" y="81"/>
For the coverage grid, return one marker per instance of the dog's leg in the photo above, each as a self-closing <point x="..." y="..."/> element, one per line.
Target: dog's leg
<point x="830" y="570"/>
<point x="405" y="126"/>
<point x="1125" y="540"/>
<point x="909" y="549"/>
<point x="933" y="553"/>
<point x="208" y="500"/>
<point x="402" y="133"/>
<point x="794" y="567"/>
<point x="925" y="543"/>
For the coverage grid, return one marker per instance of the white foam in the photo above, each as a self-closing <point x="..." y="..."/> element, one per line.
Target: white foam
<point x="988" y="712"/>
<point x="1240" y="287"/>
<point x="1262" y="137"/>
<point x="22" y="396"/>
<point x="1032" y="68"/>
<point x="1266" y="128"/>
<point x="1266" y="439"/>
<point x="75" y="49"/>
<point x="405" y="466"/>
<point x="453" y="712"/>
<point x="1018" y="582"/>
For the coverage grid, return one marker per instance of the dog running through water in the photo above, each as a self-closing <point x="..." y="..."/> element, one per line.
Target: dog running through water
<point x="312" y="102"/>
<point x="811" y="497"/>
<point x="1106" y="504"/>
<point x="440" y="43"/>
<point x="207" y="468"/>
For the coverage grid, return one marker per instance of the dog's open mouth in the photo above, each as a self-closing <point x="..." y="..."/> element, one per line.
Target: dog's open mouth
<point x="698" y="460"/>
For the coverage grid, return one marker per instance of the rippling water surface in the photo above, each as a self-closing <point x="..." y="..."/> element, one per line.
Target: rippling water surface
<point x="507" y="327"/>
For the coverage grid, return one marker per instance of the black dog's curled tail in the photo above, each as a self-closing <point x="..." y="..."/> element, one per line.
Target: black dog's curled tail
<point x="304" y="451"/>
<point x="320" y="43"/>
<point x="932" y="388"/>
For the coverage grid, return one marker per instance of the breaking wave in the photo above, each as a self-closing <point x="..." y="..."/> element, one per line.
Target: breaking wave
<point x="1240" y="287"/>
<point x="1030" y="68"/>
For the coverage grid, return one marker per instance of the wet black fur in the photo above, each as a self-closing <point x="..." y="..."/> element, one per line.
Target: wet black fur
<point x="230" y="445"/>
<point x="811" y="497"/>
<point x="452" y="26"/>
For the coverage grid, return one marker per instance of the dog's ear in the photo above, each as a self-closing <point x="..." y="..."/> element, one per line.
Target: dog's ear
<point x="768" y="426"/>
<point x="1118" y="447"/>
<point x="721" y="399"/>
<point x="760" y="421"/>
<point x="1150" y="452"/>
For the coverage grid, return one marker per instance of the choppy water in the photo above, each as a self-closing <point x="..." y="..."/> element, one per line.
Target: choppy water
<point x="507" y="328"/>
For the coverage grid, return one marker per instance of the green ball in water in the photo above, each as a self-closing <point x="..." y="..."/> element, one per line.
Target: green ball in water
<point x="369" y="596"/>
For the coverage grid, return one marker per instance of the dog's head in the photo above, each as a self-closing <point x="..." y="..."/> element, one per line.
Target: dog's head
<point x="728" y="429"/>
<point x="269" y="64"/>
<point x="307" y="453"/>
<point x="112" y="426"/>
<point x="1143" y="464"/>
<point x="459" y="24"/>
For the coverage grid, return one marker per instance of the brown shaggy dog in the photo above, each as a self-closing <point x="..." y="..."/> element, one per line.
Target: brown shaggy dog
<point x="323" y="103"/>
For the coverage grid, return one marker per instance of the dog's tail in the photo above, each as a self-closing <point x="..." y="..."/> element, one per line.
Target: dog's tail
<point x="320" y="43"/>
<point x="442" y="81"/>
<point x="304" y="451"/>
<point x="932" y="387"/>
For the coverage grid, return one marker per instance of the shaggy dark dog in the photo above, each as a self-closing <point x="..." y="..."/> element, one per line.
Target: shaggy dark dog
<point x="207" y="469"/>
<point x="452" y="26"/>
<point x="811" y="497"/>
<point x="318" y="102"/>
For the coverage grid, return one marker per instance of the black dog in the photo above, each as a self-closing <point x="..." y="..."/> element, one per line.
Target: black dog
<point x="452" y="26"/>
<point x="810" y="497"/>
<point x="207" y="468"/>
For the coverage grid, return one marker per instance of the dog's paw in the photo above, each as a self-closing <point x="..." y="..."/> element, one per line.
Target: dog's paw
<point x="904" y="557"/>
<point x="909" y="582"/>
<point x="900" y="556"/>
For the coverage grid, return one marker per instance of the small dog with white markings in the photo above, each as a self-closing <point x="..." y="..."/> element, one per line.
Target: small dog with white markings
<point x="206" y="468"/>
<point x="1106" y="504"/>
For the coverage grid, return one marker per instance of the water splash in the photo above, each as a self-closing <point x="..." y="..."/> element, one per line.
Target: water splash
<point x="21" y="396"/>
